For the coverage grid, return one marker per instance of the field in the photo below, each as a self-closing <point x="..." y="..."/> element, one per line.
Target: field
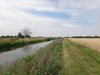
<point x="93" y="43"/>
<point x="61" y="57"/>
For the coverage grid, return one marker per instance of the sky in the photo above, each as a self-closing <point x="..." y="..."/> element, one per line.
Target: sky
<point x="50" y="18"/>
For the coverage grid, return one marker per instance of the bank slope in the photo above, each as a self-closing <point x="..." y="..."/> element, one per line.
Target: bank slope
<point x="80" y="60"/>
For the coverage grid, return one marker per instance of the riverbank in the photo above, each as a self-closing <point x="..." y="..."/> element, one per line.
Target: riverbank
<point x="46" y="61"/>
<point x="9" y="57"/>
<point x="12" y="43"/>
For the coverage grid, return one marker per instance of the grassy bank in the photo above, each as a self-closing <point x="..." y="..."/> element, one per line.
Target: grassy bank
<point x="46" y="61"/>
<point x="80" y="60"/>
<point x="16" y="42"/>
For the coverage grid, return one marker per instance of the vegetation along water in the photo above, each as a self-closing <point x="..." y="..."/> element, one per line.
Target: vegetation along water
<point x="12" y="43"/>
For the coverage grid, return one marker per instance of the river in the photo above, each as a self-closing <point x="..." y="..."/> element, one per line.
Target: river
<point x="7" y="58"/>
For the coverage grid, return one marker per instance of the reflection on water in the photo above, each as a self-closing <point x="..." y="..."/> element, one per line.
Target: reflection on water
<point x="27" y="49"/>
<point x="10" y="56"/>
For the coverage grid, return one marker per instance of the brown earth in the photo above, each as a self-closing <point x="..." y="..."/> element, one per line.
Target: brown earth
<point x="93" y="43"/>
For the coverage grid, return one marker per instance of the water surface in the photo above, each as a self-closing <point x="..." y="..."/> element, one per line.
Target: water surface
<point x="6" y="58"/>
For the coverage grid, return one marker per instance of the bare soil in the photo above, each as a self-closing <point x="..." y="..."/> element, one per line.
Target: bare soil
<point x="93" y="43"/>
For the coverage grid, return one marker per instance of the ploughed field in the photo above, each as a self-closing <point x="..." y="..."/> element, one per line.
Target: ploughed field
<point x="93" y="43"/>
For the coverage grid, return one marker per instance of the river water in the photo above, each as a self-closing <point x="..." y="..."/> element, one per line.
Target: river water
<point x="7" y="58"/>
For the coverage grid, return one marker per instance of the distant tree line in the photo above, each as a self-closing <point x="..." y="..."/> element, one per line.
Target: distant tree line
<point x="8" y="36"/>
<point x="85" y="37"/>
<point x="25" y="33"/>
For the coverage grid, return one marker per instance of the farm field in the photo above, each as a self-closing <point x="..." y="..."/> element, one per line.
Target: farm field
<point x="93" y="43"/>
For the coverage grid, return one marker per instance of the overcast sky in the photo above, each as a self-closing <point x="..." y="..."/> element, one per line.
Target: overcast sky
<point x="50" y="17"/>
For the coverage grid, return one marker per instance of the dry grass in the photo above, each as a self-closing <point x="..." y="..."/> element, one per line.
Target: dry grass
<point x="6" y="40"/>
<point x="93" y="43"/>
<point x="11" y="40"/>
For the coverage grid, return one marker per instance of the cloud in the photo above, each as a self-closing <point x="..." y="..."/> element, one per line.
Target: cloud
<point x="70" y="26"/>
<point x="83" y="13"/>
<point x="85" y="4"/>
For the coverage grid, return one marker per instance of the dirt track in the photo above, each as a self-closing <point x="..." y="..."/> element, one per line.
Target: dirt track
<point x="93" y="43"/>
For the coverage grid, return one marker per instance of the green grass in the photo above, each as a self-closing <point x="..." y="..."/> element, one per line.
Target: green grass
<point x="46" y="61"/>
<point x="80" y="60"/>
<point x="90" y="52"/>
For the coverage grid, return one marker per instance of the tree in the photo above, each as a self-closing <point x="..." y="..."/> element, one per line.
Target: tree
<point x="20" y="35"/>
<point x="26" y="32"/>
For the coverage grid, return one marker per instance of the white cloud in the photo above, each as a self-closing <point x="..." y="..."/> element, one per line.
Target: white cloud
<point x="70" y="26"/>
<point x="13" y="16"/>
<point x="85" y="4"/>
